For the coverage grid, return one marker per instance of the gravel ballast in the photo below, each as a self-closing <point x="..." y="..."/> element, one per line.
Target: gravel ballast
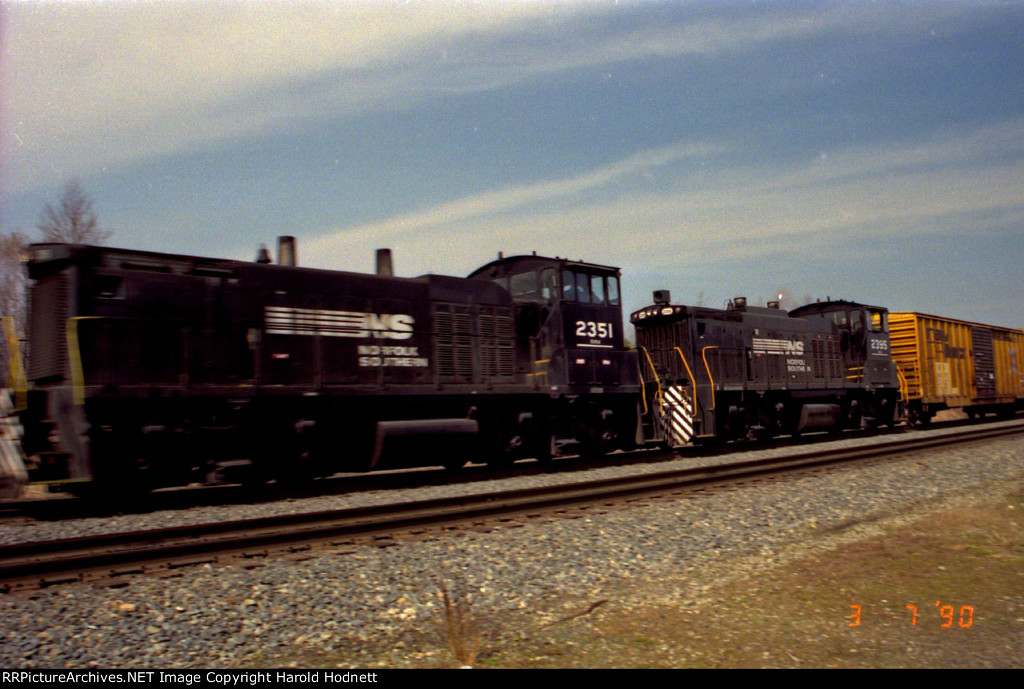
<point x="371" y="606"/>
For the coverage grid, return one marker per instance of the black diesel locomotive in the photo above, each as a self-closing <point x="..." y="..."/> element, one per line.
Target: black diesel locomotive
<point x="713" y="374"/>
<point x="151" y="369"/>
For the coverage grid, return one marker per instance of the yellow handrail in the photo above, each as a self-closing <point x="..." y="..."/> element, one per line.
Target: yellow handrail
<point x="643" y="388"/>
<point x="18" y="380"/>
<point x="693" y="381"/>
<point x="904" y="386"/>
<point x="661" y="405"/>
<point x="704" y="356"/>
<point x="75" y="359"/>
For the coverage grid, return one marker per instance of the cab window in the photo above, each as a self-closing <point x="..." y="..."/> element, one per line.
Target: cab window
<point x="548" y="284"/>
<point x="576" y="287"/>
<point x="568" y="285"/>
<point x="878" y="322"/>
<point x="856" y="321"/>
<point x="582" y="288"/>
<point x="613" y="290"/>
<point x="524" y="286"/>
<point x="588" y="289"/>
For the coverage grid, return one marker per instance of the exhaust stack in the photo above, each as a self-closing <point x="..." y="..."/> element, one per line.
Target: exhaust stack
<point x="385" y="266"/>
<point x="286" y="253"/>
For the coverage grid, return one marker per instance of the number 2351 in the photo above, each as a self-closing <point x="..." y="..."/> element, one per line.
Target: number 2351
<point x="592" y="329"/>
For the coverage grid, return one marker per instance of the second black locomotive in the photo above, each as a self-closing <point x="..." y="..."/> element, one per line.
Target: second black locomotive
<point x="746" y="371"/>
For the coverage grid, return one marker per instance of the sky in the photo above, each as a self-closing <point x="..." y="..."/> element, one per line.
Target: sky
<point x="871" y="151"/>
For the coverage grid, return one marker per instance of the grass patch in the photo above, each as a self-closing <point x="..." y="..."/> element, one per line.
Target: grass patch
<point x="455" y="618"/>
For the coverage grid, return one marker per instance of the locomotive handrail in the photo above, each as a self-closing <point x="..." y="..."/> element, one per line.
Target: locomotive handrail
<point x="75" y="358"/>
<point x="537" y="350"/>
<point x="704" y="355"/>
<point x="661" y="404"/>
<point x="536" y="374"/>
<point x="643" y="388"/>
<point x="904" y="386"/>
<point x="857" y="373"/>
<point x="18" y="381"/>
<point x="693" y="381"/>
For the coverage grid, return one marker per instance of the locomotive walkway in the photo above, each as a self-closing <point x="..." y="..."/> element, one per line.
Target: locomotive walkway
<point x="111" y="558"/>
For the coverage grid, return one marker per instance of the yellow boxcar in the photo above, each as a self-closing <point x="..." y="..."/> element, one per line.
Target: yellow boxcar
<point x="952" y="364"/>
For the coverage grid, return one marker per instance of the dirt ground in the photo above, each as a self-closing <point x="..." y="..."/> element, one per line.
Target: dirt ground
<point x="944" y="590"/>
<point x="940" y="587"/>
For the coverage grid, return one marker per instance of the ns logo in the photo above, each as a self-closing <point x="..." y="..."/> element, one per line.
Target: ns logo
<point x="394" y="326"/>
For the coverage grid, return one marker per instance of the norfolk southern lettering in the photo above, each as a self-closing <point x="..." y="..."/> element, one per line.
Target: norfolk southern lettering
<point x="407" y="357"/>
<point x="287" y="320"/>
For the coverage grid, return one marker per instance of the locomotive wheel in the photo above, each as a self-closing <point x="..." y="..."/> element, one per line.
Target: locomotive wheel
<point x="544" y="450"/>
<point x="506" y="447"/>
<point x="600" y="439"/>
<point x="297" y="457"/>
<point x="517" y="440"/>
<point x="594" y="428"/>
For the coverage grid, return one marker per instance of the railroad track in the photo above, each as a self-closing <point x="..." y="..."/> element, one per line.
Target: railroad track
<point x="66" y="506"/>
<point x="111" y="558"/>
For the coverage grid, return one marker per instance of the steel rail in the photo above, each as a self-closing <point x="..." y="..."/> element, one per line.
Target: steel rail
<point x="40" y="564"/>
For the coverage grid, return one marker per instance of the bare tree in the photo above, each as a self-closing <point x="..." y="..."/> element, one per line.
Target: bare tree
<point x="73" y="220"/>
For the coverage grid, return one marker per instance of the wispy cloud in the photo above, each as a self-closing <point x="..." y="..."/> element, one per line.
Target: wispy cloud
<point x="731" y="211"/>
<point x="114" y="81"/>
<point x="483" y="210"/>
<point x="90" y="85"/>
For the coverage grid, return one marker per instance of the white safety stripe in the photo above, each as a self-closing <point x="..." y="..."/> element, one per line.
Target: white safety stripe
<point x="678" y="415"/>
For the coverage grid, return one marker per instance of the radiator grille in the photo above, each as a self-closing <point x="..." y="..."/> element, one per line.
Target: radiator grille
<point x="455" y="337"/>
<point x="660" y="342"/>
<point x="825" y="359"/>
<point x="48" y="351"/>
<point x="454" y="345"/>
<point x="496" y="346"/>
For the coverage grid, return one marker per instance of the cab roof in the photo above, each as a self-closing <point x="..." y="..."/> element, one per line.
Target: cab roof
<point x="829" y="306"/>
<point x="514" y="264"/>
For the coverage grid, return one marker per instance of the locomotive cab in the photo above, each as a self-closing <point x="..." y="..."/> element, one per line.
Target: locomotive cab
<point x="570" y="341"/>
<point x="863" y="339"/>
<point x="569" y="317"/>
